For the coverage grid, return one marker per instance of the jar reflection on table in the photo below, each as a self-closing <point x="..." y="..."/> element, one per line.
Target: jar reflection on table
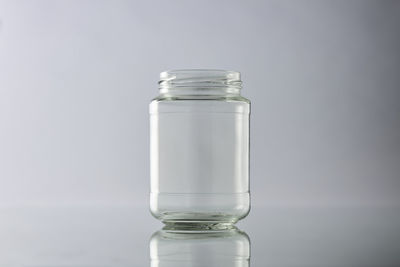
<point x="175" y="249"/>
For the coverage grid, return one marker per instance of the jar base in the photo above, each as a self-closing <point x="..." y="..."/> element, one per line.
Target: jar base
<point x="198" y="226"/>
<point x="188" y="221"/>
<point x="200" y="208"/>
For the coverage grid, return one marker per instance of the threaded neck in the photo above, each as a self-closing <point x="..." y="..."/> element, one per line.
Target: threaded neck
<point x="200" y="82"/>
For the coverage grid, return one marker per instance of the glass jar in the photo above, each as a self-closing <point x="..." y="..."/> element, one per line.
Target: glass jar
<point x="199" y="149"/>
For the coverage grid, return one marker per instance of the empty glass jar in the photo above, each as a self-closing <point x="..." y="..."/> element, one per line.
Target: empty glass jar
<point x="199" y="149"/>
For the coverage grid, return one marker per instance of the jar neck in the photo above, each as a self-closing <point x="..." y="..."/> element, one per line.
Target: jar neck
<point x="200" y="83"/>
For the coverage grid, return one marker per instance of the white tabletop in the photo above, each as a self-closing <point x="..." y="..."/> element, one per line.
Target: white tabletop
<point x="120" y="236"/>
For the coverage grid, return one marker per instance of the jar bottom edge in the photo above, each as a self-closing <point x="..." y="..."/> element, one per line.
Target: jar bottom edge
<point x="198" y="226"/>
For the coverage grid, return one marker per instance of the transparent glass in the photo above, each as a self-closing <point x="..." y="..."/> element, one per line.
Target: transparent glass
<point x="175" y="249"/>
<point x="199" y="149"/>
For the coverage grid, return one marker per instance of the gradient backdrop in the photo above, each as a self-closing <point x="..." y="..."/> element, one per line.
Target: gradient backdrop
<point x="76" y="78"/>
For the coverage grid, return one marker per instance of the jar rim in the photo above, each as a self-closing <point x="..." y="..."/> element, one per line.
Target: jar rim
<point x="200" y="73"/>
<point x="200" y="79"/>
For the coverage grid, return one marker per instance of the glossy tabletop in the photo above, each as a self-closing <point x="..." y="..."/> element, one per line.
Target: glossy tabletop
<point x="130" y="236"/>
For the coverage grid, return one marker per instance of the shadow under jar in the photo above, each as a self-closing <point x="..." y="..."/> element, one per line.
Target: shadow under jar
<point x="199" y="150"/>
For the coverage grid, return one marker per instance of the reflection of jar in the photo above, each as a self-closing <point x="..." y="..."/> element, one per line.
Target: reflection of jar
<point x="226" y="248"/>
<point x="199" y="146"/>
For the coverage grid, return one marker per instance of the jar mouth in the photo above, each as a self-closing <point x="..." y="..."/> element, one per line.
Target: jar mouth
<point x="205" y="81"/>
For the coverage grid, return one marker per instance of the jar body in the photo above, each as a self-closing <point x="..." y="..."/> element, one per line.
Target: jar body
<point x="199" y="149"/>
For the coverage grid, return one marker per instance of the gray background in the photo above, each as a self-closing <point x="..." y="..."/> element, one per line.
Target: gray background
<point x="76" y="78"/>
